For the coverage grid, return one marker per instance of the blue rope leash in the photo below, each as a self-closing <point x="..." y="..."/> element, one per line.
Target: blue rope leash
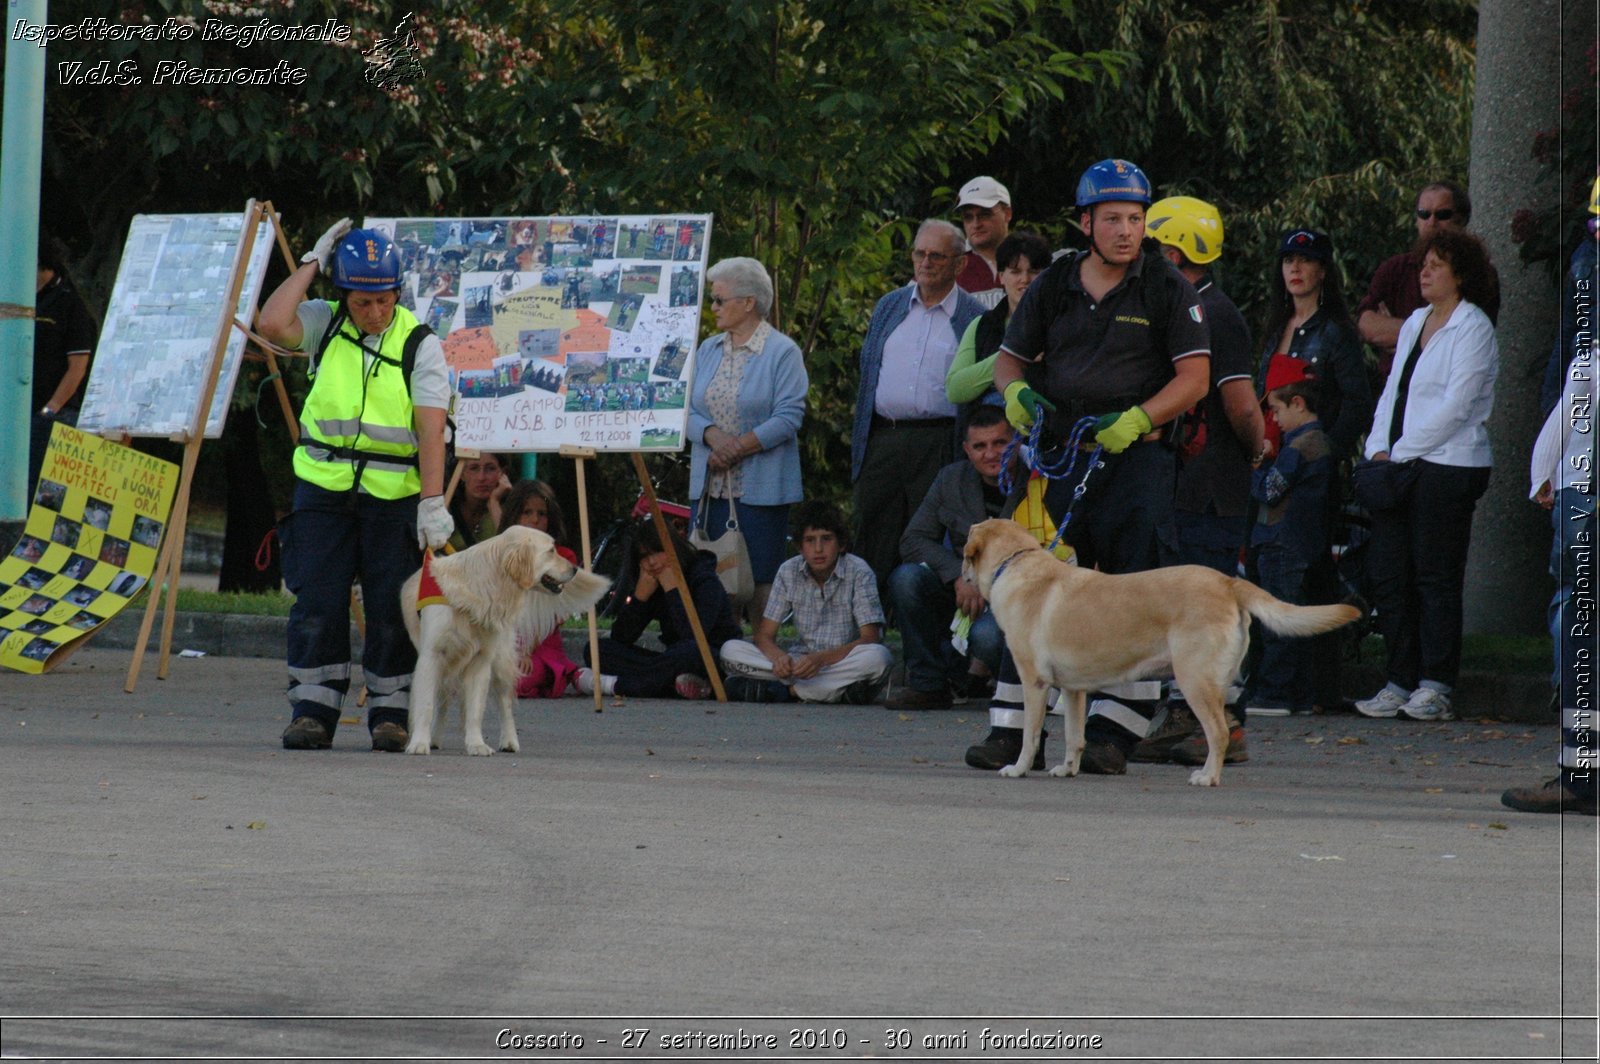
<point x="1061" y="469"/>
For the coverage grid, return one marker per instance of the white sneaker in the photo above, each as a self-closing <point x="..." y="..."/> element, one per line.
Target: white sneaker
<point x="1427" y="704"/>
<point x="1266" y="711"/>
<point x="1386" y="703"/>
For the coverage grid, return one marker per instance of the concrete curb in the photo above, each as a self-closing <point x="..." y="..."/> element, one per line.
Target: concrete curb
<point x="1519" y="698"/>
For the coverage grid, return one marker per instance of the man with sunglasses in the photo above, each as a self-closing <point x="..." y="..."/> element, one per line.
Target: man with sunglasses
<point x="1396" y="288"/>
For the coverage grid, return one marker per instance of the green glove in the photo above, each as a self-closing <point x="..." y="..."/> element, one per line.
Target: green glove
<point x="1115" y="432"/>
<point x="1020" y="401"/>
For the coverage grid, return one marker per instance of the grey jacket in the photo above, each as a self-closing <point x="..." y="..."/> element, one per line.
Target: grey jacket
<point x="952" y="506"/>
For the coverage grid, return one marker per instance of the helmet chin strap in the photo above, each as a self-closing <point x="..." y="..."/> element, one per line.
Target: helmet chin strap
<point x="1094" y="245"/>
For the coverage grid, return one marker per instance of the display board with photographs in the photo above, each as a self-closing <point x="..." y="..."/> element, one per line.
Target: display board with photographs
<point x="89" y="546"/>
<point x="161" y="326"/>
<point x="561" y="331"/>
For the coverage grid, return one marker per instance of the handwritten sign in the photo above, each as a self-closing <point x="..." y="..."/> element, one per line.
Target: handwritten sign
<point x="88" y="548"/>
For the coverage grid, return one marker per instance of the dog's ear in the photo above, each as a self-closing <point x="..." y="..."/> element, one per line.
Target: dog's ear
<point x="521" y="561"/>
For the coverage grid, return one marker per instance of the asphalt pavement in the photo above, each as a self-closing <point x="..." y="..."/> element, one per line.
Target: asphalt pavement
<point x="766" y="882"/>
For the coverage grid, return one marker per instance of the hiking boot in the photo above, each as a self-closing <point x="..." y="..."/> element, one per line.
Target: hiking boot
<point x="1178" y="726"/>
<point x="912" y="699"/>
<point x="1195" y="750"/>
<point x="749" y="689"/>
<point x="389" y="737"/>
<point x="1103" y="759"/>
<point x="1427" y="704"/>
<point x="1553" y="796"/>
<point x="1386" y="703"/>
<point x="692" y="686"/>
<point x="1002" y="747"/>
<point x="307" y="733"/>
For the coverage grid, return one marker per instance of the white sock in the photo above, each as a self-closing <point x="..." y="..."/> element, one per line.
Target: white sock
<point x="584" y="682"/>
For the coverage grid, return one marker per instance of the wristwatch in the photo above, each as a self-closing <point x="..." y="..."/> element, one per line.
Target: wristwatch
<point x="46" y="413"/>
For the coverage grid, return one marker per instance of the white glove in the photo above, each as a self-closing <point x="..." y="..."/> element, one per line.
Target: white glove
<point x="324" y="249"/>
<point x="434" y="523"/>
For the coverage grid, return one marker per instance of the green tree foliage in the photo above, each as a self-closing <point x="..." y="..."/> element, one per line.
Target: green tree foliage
<point x="1283" y="113"/>
<point x="817" y="131"/>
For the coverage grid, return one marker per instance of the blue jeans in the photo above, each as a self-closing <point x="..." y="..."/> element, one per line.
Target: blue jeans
<point x="1572" y="628"/>
<point x="1211" y="540"/>
<point x="330" y="540"/>
<point x="1283" y="675"/>
<point x="923" y="606"/>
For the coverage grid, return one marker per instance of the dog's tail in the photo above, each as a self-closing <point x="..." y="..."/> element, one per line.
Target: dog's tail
<point x="408" y="608"/>
<point x="1281" y="618"/>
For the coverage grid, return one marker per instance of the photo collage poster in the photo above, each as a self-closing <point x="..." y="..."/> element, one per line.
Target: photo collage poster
<point x="150" y="365"/>
<point x="561" y="330"/>
<point x="88" y="548"/>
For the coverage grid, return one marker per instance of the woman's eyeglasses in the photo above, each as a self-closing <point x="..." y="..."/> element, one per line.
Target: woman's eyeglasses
<point x="717" y="301"/>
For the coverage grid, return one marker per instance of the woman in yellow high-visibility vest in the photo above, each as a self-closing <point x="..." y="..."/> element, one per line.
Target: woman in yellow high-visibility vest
<point x="369" y="481"/>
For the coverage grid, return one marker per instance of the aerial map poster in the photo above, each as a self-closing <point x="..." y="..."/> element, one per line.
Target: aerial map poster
<point x="561" y="331"/>
<point x="161" y="324"/>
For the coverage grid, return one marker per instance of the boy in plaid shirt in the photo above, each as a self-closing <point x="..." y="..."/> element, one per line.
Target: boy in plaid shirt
<point x="833" y="597"/>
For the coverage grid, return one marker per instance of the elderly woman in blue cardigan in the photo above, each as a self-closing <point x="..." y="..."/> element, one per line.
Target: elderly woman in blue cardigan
<point x="745" y="410"/>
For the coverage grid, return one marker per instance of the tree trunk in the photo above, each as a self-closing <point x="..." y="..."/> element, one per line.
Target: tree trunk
<point x="1518" y="92"/>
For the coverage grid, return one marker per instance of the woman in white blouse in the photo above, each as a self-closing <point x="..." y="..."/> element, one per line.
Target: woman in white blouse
<point x="1432" y="416"/>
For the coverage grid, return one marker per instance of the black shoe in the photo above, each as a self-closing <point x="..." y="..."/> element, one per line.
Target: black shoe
<point x="749" y="689"/>
<point x="1157" y="747"/>
<point x="1194" y="750"/>
<point x="1554" y="796"/>
<point x="864" y="692"/>
<point x="973" y="687"/>
<point x="913" y="699"/>
<point x="1002" y="747"/>
<point x="1103" y="759"/>
<point x="389" y="737"/>
<point x="307" y="733"/>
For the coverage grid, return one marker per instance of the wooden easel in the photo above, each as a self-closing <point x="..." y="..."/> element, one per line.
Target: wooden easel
<point x="169" y="562"/>
<point x="579" y="455"/>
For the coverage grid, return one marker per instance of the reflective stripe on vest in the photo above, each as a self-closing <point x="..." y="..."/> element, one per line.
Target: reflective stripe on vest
<point x="378" y="424"/>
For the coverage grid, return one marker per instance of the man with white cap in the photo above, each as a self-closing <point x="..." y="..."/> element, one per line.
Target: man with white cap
<point x="985" y="209"/>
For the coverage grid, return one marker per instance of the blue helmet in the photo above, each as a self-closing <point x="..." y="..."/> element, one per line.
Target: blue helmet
<point x="1113" y="180"/>
<point x="366" y="261"/>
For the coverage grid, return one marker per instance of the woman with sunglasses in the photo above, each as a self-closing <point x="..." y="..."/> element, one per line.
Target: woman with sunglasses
<point x="745" y="408"/>
<point x="1021" y="257"/>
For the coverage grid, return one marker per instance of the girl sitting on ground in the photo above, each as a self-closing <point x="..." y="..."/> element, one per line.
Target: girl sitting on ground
<point x="548" y="671"/>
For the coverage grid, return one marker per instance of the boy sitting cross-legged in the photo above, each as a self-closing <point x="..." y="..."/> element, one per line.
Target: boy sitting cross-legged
<point x="833" y="597"/>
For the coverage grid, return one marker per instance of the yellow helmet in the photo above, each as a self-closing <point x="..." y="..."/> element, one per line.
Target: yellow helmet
<point x="1594" y="197"/>
<point x="1191" y="225"/>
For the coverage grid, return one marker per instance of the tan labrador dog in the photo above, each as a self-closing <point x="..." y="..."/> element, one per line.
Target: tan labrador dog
<point x="503" y="597"/>
<point x="1080" y="630"/>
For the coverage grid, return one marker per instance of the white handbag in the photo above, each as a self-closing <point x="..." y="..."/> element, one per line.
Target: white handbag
<point x="733" y="557"/>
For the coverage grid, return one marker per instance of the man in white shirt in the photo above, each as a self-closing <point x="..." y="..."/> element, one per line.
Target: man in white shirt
<point x="904" y="430"/>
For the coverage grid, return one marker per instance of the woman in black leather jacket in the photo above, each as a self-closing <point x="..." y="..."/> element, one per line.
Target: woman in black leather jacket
<point x="1308" y="322"/>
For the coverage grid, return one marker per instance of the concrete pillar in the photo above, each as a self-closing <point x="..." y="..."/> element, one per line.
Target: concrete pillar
<point x="1520" y="52"/>
<point x="21" y="150"/>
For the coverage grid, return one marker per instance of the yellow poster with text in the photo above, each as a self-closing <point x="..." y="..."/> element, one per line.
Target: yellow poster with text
<point x="89" y="546"/>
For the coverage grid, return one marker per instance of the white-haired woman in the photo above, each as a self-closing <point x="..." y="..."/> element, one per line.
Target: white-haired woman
<point x="745" y="410"/>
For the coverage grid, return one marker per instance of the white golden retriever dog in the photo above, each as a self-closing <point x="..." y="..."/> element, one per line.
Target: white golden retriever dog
<point x="509" y="589"/>
<point x="1080" y="630"/>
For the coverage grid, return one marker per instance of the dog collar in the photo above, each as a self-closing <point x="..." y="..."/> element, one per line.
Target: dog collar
<point x="995" y="579"/>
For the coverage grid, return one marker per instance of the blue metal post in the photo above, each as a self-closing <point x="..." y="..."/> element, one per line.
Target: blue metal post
<point x="21" y="151"/>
